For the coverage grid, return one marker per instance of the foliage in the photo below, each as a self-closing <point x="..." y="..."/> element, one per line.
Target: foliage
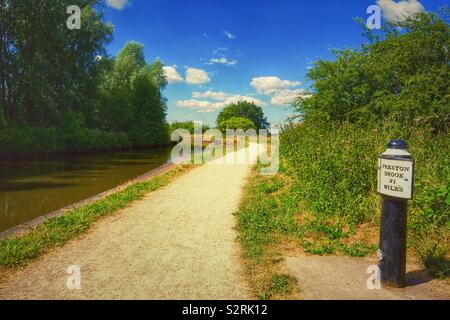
<point x="405" y="76"/>
<point x="236" y="123"/>
<point x="186" y="125"/>
<point x="392" y="88"/>
<point x="334" y="165"/>
<point x="131" y="99"/>
<point x="60" y="84"/>
<point x="46" y="67"/>
<point x="244" y="109"/>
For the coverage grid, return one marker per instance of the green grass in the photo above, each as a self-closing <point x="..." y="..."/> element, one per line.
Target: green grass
<point x="271" y="216"/>
<point x="58" y="230"/>
<point x="276" y="285"/>
<point x="334" y="169"/>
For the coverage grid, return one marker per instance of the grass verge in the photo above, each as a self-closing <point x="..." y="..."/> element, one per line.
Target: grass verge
<point x="272" y="223"/>
<point x="59" y="230"/>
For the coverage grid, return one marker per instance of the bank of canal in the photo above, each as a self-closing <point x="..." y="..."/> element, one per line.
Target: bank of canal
<point x="29" y="189"/>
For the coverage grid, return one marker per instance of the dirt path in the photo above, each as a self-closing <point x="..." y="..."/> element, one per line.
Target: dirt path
<point x="176" y="243"/>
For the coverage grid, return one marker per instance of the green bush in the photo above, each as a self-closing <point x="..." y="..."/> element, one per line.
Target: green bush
<point x="236" y="123"/>
<point x="26" y="141"/>
<point x="186" y="125"/>
<point x="334" y="165"/>
<point x="392" y="88"/>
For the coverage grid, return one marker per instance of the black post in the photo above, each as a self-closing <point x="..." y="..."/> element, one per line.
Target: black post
<point x="392" y="246"/>
<point x="393" y="242"/>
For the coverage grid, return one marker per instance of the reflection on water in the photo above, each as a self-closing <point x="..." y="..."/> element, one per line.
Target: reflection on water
<point x="31" y="189"/>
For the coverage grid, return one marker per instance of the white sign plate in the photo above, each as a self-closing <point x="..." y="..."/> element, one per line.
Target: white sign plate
<point x="395" y="178"/>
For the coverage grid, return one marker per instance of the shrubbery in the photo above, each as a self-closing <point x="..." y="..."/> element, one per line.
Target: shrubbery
<point x="335" y="175"/>
<point x="26" y="141"/>
<point x="393" y="88"/>
<point x="186" y="125"/>
<point x="236" y="123"/>
<point x="71" y="96"/>
<point x="243" y="109"/>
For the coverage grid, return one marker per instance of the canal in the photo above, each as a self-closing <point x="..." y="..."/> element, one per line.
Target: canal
<point x="29" y="189"/>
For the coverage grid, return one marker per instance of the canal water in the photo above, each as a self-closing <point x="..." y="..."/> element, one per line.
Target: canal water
<point x="33" y="188"/>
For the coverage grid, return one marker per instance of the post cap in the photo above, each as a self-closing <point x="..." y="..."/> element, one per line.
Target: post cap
<point x="397" y="144"/>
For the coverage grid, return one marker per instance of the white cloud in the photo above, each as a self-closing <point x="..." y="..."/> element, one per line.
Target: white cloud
<point x="239" y="98"/>
<point x="285" y="97"/>
<point x="222" y="60"/>
<point x="199" y="104"/>
<point x="210" y="95"/>
<point x="222" y="99"/>
<point x="272" y="85"/>
<point x="229" y="35"/>
<point x="227" y="98"/>
<point x="206" y="110"/>
<point x="196" y="76"/>
<point x="117" y="4"/>
<point x="172" y="75"/>
<point x="399" y="11"/>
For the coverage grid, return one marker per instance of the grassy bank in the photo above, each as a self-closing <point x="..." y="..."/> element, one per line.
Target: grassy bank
<point x="274" y="223"/>
<point x="323" y="201"/>
<point x="58" y="230"/>
<point x="334" y="168"/>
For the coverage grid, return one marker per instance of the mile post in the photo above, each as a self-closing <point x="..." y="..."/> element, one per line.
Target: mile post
<point x="395" y="185"/>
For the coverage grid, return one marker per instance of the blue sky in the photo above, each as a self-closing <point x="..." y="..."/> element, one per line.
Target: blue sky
<point x="221" y="51"/>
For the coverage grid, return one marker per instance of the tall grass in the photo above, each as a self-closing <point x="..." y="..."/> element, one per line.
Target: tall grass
<point x="334" y="165"/>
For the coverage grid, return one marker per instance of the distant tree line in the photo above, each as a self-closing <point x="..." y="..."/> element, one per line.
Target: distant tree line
<point x="59" y="91"/>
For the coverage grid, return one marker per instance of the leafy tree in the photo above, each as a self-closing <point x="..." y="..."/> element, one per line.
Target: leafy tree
<point x="60" y="83"/>
<point x="186" y="125"/>
<point x="131" y="97"/>
<point x="244" y="109"/>
<point x="45" y="68"/>
<point x="236" y="123"/>
<point x="404" y="75"/>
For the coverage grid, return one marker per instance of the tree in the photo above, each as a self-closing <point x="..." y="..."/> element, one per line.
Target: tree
<point x="405" y="75"/>
<point x="237" y="123"/>
<point x="244" y="109"/>
<point x="186" y="125"/>
<point x="45" y="68"/>
<point x="131" y="97"/>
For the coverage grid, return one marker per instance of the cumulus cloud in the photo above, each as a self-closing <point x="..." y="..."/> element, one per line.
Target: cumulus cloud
<point x="196" y="76"/>
<point x="117" y="4"/>
<point x="399" y="11"/>
<point x="222" y="60"/>
<point x="229" y="35"/>
<point x="272" y="85"/>
<point x="198" y="104"/>
<point x="172" y="75"/>
<point x="210" y="95"/>
<point x="239" y="98"/>
<point x="285" y="97"/>
<point x="222" y="99"/>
